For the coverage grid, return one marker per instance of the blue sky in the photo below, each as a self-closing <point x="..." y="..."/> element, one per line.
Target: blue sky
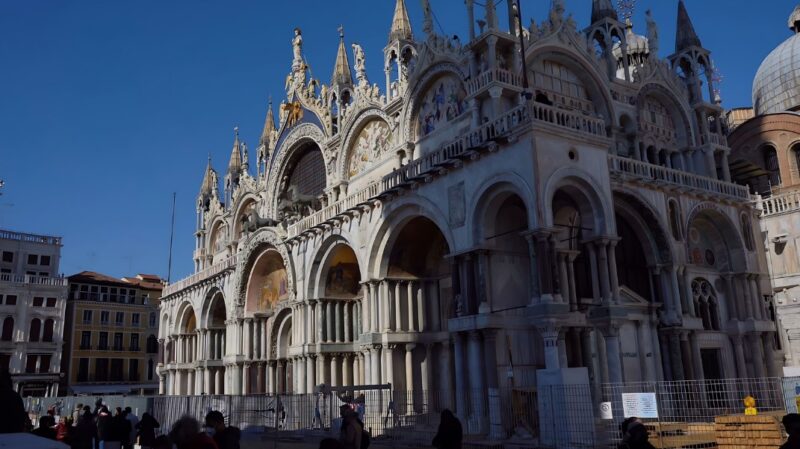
<point x="106" y="108"/>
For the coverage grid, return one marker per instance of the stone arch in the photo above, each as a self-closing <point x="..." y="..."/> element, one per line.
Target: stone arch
<point x="579" y="185"/>
<point x="713" y="240"/>
<point x="650" y="226"/>
<point x="217" y="238"/>
<point x="267" y="282"/>
<point x="295" y="141"/>
<point x="213" y="304"/>
<point x="421" y="84"/>
<point x="255" y="243"/>
<point x="396" y="214"/>
<point x="595" y="83"/>
<point x="353" y="132"/>
<point x="684" y="126"/>
<point x="241" y="210"/>
<point x="494" y="187"/>
<point x="186" y="318"/>
<point x="328" y="252"/>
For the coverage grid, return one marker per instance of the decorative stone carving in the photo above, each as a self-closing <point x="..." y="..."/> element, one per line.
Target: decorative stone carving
<point x="373" y="140"/>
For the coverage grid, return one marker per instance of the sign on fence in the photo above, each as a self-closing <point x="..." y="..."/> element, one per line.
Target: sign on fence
<point x="640" y="405"/>
<point x="606" y="412"/>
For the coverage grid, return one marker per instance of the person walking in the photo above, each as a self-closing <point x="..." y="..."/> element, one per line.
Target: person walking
<point x="352" y="431"/>
<point x="13" y="418"/>
<point x="133" y="420"/>
<point x="225" y="437"/>
<point x="146" y="429"/>
<point x="63" y="430"/>
<point x="76" y="415"/>
<point x="45" y="429"/>
<point x="791" y="422"/>
<point x="107" y="430"/>
<point x="122" y="427"/>
<point x="185" y="434"/>
<point x="84" y="434"/>
<point x="450" y="433"/>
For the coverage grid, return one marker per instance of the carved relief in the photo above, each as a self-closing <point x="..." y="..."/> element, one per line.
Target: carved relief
<point x="372" y="141"/>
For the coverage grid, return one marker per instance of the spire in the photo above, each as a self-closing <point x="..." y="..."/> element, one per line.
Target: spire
<point x="245" y="158"/>
<point x="208" y="179"/>
<point x="341" y="70"/>
<point x="602" y="9"/>
<point x="269" y="126"/>
<point x="685" y="36"/>
<point x="235" y="165"/>
<point x="401" y="26"/>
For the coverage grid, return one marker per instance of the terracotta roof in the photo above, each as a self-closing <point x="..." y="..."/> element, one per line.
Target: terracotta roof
<point x="92" y="277"/>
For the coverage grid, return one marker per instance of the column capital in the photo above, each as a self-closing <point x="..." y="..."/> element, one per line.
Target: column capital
<point x="410" y="347"/>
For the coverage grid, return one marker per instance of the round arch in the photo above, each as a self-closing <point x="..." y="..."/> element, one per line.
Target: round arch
<point x="413" y="97"/>
<point x="281" y="335"/>
<point x="713" y="240"/>
<point x="352" y="132"/>
<point x="594" y="82"/>
<point x="648" y="226"/>
<point x="244" y="204"/>
<point x="296" y="141"/>
<point x="267" y="282"/>
<point x="256" y="243"/>
<point x="494" y="189"/>
<point x="330" y="252"/>
<point x="213" y="309"/>
<point x="186" y="318"/>
<point x="684" y="126"/>
<point x="579" y="185"/>
<point x="396" y="214"/>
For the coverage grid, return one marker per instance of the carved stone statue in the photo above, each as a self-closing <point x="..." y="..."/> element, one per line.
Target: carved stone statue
<point x="652" y="33"/>
<point x="360" y="64"/>
<point x="427" y="24"/>
<point x="297" y="48"/>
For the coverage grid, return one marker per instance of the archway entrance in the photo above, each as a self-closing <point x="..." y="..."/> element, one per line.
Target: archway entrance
<point x="214" y="342"/>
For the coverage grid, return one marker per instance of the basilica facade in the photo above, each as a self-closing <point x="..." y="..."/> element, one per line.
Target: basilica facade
<point x="527" y="197"/>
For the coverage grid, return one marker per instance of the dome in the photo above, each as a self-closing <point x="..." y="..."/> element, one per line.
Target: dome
<point x="776" y="87"/>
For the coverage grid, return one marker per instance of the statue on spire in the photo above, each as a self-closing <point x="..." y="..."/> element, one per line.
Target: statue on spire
<point x="359" y="62"/>
<point x="652" y="34"/>
<point x="427" y="24"/>
<point x="297" y="48"/>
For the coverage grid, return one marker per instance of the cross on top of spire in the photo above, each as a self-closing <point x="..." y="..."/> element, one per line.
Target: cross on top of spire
<point x="341" y="31"/>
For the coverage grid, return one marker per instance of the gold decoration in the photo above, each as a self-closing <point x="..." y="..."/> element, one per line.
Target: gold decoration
<point x="294" y="112"/>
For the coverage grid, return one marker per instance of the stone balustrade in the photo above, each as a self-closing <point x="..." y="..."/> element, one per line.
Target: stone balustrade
<point x="38" y="280"/>
<point x="495" y="75"/>
<point x="633" y="169"/>
<point x="779" y="204"/>
<point x="201" y="275"/>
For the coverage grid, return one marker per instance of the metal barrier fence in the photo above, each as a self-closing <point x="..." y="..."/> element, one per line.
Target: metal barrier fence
<point x="677" y="414"/>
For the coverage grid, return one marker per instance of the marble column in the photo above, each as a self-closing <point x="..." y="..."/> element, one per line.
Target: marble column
<point x="602" y="263"/>
<point x="563" y="276"/>
<point x="335" y="371"/>
<point x="347" y="323"/>
<point x="346" y="370"/>
<point x="389" y="366"/>
<point x="697" y="360"/>
<point x="613" y="354"/>
<point x="612" y="268"/>
<point x="676" y="296"/>
<point x="396" y="310"/>
<point x="746" y="293"/>
<point x="373" y="289"/>
<point x="593" y="271"/>
<point x="338" y="325"/>
<point x="409" y="364"/>
<point x="375" y="369"/>
<point x="549" y="335"/>
<point x="366" y="366"/>
<point x="757" y="355"/>
<point x="385" y="319"/>
<point x="246" y="378"/>
<point x="310" y="320"/>
<point x="413" y="325"/>
<point x="321" y="378"/>
<point x="273" y="377"/>
<point x="459" y="359"/>
<point x="427" y="368"/>
<point x="758" y="310"/>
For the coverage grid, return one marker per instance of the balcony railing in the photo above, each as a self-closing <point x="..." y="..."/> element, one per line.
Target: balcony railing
<point x="213" y="270"/>
<point x="493" y="76"/>
<point x="632" y="168"/>
<point x="568" y="118"/>
<point x="30" y="238"/>
<point x="38" y="280"/>
<point x="779" y="204"/>
<point x="350" y="201"/>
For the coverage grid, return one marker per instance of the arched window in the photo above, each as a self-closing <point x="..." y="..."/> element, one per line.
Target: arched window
<point x="675" y="220"/>
<point x="772" y="165"/>
<point x="47" y="335"/>
<point x="8" y="329"/>
<point x="150" y="369"/>
<point x="747" y="232"/>
<point x="36" y="330"/>
<point x="705" y="304"/>
<point x="796" y="154"/>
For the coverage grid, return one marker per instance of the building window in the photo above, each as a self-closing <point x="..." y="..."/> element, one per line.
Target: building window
<point x="103" y="342"/>
<point x="104" y="317"/>
<point x="120" y="318"/>
<point x="44" y="363"/>
<point x="135" y="342"/>
<point x="86" y="340"/>
<point x="51" y="302"/>
<point x="87" y="317"/>
<point x="83" y="370"/>
<point x="152" y="344"/>
<point x="118" y="341"/>
<point x="8" y="256"/>
<point x="11" y="300"/>
<point x="36" y="330"/>
<point x="152" y="319"/>
<point x="133" y="370"/>
<point x="35" y="363"/>
<point x="5" y="362"/>
<point x="47" y="335"/>
<point x="705" y="304"/>
<point x="8" y="329"/>
<point x="772" y="165"/>
<point x="33" y="259"/>
<point x="101" y="369"/>
<point x="116" y="370"/>
<point x="45" y="261"/>
<point x="30" y="363"/>
<point x="38" y="302"/>
<point x="150" y="369"/>
<point x="135" y="320"/>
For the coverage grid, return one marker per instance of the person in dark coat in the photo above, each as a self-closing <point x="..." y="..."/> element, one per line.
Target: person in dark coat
<point x="791" y="423"/>
<point x="450" y="433"/>
<point x="146" y="429"/>
<point x="85" y="432"/>
<point x="185" y="434"/>
<point x="225" y="437"/>
<point x="13" y="418"/>
<point x="45" y="429"/>
<point x="106" y="431"/>
<point x="121" y="426"/>
<point x="636" y="437"/>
